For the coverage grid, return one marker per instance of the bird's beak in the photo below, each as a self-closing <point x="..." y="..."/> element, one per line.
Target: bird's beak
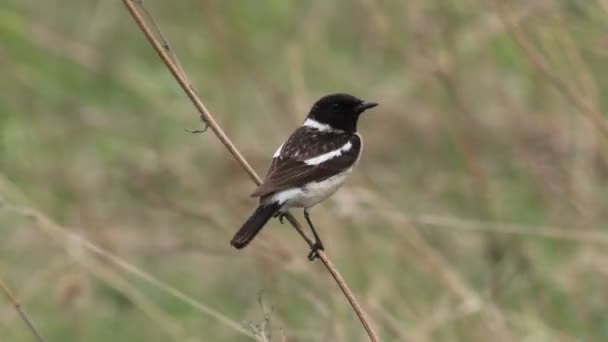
<point x="365" y="106"/>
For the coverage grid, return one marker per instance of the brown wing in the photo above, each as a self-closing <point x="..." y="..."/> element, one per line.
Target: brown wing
<point x="289" y="169"/>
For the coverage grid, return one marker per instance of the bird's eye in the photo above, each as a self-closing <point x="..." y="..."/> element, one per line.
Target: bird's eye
<point x="335" y="107"/>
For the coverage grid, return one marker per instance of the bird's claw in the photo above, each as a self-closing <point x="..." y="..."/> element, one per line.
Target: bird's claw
<point x="314" y="250"/>
<point x="281" y="217"/>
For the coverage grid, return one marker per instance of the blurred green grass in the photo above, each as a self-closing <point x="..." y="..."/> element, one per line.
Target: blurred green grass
<point x="91" y="134"/>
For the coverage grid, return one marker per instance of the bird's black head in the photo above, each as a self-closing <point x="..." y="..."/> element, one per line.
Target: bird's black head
<point x="340" y="111"/>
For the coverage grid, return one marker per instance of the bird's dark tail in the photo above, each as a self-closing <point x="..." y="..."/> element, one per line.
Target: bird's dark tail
<point x="253" y="225"/>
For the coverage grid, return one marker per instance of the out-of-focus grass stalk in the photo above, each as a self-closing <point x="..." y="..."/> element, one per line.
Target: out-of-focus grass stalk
<point x="19" y="308"/>
<point x="69" y="240"/>
<point x="585" y="106"/>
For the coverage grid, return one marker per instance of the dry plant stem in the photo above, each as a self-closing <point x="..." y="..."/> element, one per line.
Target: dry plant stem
<point x="210" y="121"/>
<point x="340" y="281"/>
<point x="24" y="316"/>
<point x="183" y="82"/>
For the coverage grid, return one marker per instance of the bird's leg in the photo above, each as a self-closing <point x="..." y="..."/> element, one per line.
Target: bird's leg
<point x="317" y="245"/>
<point x="282" y="215"/>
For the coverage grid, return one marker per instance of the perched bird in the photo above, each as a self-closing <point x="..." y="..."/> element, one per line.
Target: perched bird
<point x="310" y="166"/>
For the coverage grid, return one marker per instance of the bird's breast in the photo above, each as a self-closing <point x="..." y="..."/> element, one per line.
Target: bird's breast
<point x="316" y="192"/>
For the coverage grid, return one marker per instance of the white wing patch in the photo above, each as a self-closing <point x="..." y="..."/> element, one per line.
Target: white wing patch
<point x="317" y="125"/>
<point x="329" y="155"/>
<point x="278" y="152"/>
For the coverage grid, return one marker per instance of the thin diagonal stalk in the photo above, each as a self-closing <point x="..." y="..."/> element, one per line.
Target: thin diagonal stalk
<point x="24" y="316"/>
<point x="68" y="240"/>
<point x="208" y="119"/>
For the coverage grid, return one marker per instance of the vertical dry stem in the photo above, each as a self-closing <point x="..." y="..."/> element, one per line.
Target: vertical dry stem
<point x="207" y="118"/>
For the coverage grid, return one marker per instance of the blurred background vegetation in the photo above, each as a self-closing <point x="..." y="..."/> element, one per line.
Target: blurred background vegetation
<point x="478" y="211"/>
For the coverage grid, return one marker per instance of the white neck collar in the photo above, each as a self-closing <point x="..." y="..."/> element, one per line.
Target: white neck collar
<point x="312" y="123"/>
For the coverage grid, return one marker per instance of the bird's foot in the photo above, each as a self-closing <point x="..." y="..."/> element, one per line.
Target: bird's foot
<point x="281" y="216"/>
<point x="314" y="250"/>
